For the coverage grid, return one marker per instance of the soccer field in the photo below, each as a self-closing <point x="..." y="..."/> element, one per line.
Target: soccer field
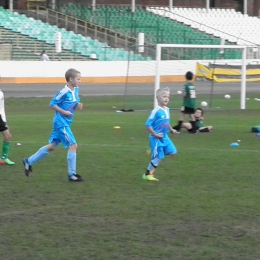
<point x="205" y="206"/>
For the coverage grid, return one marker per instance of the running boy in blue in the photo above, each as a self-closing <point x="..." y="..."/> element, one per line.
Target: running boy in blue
<point x="64" y="104"/>
<point x="158" y="125"/>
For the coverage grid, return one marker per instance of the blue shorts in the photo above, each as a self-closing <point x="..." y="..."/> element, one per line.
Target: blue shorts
<point x="161" y="147"/>
<point x="62" y="135"/>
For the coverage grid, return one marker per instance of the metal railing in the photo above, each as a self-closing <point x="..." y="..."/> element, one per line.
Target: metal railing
<point x="86" y="28"/>
<point x="30" y="49"/>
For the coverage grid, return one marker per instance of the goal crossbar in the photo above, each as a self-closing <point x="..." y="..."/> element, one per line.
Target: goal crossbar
<point x="194" y="46"/>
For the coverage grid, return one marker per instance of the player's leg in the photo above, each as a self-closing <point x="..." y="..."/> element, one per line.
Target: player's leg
<point x="6" y="145"/>
<point x="181" y="118"/>
<point x="191" y="112"/>
<point x="187" y="126"/>
<point x="68" y="141"/>
<point x="206" y="129"/>
<point x="157" y="155"/>
<point x="170" y="149"/>
<point x="41" y="153"/>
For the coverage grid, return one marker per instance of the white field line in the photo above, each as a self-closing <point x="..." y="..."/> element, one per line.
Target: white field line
<point x="145" y="147"/>
<point x="28" y="210"/>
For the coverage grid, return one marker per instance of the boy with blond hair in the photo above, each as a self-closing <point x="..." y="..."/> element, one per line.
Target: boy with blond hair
<point x="158" y="125"/>
<point x="64" y="103"/>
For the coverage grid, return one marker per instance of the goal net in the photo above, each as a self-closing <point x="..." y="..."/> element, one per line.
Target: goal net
<point x="219" y="70"/>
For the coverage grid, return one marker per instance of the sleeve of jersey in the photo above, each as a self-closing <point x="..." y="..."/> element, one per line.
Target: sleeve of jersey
<point x="150" y="119"/>
<point x="57" y="99"/>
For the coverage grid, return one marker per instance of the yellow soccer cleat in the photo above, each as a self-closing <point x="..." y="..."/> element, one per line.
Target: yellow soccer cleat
<point x="148" y="152"/>
<point x="149" y="177"/>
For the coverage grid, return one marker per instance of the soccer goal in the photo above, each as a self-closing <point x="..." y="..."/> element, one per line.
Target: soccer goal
<point x="170" y="62"/>
<point x="204" y="54"/>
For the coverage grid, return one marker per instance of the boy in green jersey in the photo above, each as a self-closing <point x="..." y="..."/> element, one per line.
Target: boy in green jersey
<point x="189" y="103"/>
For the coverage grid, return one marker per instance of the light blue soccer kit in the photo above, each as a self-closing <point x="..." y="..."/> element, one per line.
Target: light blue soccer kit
<point x="159" y="120"/>
<point x="67" y="100"/>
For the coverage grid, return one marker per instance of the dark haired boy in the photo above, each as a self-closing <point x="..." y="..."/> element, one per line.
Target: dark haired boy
<point x="189" y="103"/>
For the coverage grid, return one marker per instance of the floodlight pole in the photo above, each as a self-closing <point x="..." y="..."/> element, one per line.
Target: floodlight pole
<point x="245" y="6"/>
<point x="207" y="6"/>
<point x="133" y="6"/>
<point x="93" y="5"/>
<point x="157" y="74"/>
<point x="170" y="5"/>
<point x="11" y="5"/>
<point x="53" y="4"/>
<point x="243" y="80"/>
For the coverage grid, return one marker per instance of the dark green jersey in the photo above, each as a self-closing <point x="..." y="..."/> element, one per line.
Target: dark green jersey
<point x="199" y="122"/>
<point x="190" y="98"/>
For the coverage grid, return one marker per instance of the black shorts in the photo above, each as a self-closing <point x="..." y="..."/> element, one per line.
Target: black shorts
<point x="3" y="125"/>
<point x="187" y="110"/>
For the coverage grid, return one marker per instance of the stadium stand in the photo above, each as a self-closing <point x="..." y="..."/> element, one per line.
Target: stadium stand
<point x="227" y="24"/>
<point x="157" y="27"/>
<point x="31" y="33"/>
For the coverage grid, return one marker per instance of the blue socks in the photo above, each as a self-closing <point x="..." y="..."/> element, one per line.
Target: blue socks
<point x="71" y="157"/>
<point x="41" y="153"/>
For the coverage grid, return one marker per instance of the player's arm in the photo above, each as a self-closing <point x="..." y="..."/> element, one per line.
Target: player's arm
<point x="61" y="111"/>
<point x="79" y="106"/>
<point x="173" y="131"/>
<point x="152" y="132"/>
<point x="184" y="92"/>
<point x="58" y="99"/>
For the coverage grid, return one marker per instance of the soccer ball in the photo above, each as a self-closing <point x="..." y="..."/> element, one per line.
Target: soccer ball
<point x="179" y="92"/>
<point x="227" y="96"/>
<point x="204" y="104"/>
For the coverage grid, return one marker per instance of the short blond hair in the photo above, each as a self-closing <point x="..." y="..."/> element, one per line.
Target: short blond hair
<point x="71" y="73"/>
<point x="161" y="90"/>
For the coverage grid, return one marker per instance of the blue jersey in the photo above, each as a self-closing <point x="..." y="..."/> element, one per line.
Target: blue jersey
<point x="159" y="120"/>
<point x="65" y="99"/>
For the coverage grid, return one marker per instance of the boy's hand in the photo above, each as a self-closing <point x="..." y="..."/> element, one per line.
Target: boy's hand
<point x="159" y="136"/>
<point x="80" y="106"/>
<point x="173" y="131"/>
<point x="67" y="113"/>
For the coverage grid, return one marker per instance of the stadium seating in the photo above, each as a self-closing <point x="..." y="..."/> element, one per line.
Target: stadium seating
<point x="157" y="28"/>
<point x="122" y="20"/>
<point x="228" y="24"/>
<point x="76" y="43"/>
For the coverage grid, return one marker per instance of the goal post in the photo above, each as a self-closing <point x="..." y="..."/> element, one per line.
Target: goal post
<point x="158" y="61"/>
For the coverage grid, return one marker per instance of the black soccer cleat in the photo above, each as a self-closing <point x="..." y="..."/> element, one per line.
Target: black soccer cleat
<point x="75" y="178"/>
<point x="27" y="167"/>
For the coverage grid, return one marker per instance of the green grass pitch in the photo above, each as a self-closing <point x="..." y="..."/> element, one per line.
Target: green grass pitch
<point x="205" y="206"/>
